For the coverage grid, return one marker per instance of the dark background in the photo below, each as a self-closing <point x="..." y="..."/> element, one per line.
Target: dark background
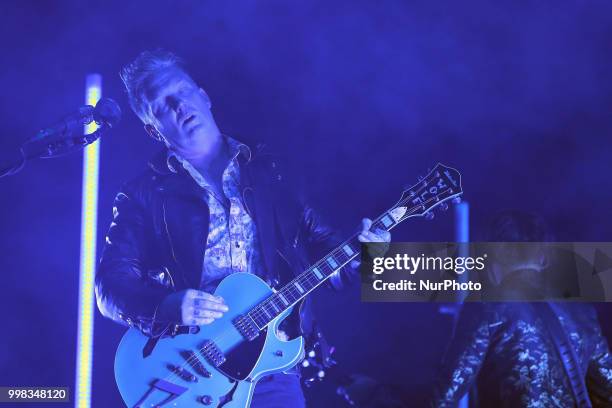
<point x="361" y="96"/>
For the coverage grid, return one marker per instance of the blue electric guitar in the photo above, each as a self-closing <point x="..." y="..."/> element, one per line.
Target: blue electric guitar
<point x="219" y="365"/>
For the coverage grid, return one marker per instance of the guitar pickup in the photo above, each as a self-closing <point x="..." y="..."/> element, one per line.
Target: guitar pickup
<point x="181" y="372"/>
<point x="247" y="327"/>
<point x="194" y="361"/>
<point x="212" y="353"/>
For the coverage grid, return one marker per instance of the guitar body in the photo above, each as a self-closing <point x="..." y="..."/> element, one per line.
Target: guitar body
<point x="154" y="381"/>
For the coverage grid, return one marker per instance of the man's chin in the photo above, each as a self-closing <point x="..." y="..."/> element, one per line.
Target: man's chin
<point x="200" y="142"/>
<point x="196" y="132"/>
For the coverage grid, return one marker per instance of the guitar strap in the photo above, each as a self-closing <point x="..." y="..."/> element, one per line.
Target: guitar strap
<point x="566" y="353"/>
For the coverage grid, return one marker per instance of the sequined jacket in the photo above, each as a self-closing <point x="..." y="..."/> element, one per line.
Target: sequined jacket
<point x="155" y="244"/>
<point x="505" y="349"/>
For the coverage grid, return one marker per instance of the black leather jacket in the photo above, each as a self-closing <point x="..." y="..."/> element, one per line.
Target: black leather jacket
<point x="155" y="244"/>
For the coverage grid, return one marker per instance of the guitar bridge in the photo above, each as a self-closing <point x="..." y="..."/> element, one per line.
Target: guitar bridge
<point x="212" y="353"/>
<point x="174" y="391"/>
<point x="247" y="327"/>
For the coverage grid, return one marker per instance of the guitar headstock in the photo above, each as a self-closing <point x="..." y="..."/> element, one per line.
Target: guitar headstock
<point x="441" y="185"/>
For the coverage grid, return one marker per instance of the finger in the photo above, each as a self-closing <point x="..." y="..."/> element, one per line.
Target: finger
<point x="355" y="264"/>
<point x="198" y="294"/>
<point x="372" y="237"/>
<point x="199" y="321"/>
<point x="207" y="313"/>
<point x="368" y="237"/>
<point x="366" y="223"/>
<point x="201" y="303"/>
<point x="384" y="235"/>
<point x="208" y="305"/>
<point x="205" y="321"/>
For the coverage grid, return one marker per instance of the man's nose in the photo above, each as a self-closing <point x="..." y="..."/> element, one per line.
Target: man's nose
<point x="178" y="105"/>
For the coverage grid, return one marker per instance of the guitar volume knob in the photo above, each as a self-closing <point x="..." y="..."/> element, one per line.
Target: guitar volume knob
<point x="205" y="399"/>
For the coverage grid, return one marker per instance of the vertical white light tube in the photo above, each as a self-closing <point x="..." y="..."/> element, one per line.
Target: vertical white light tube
<point x="89" y="216"/>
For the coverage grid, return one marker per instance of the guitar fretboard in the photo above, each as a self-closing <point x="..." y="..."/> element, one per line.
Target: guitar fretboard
<point x="310" y="279"/>
<point x="441" y="184"/>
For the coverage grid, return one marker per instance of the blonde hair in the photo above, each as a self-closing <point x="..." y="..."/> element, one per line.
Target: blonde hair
<point x="137" y="75"/>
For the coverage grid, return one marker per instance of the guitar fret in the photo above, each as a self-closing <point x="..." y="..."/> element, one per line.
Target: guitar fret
<point x="298" y="286"/>
<point x="317" y="273"/>
<point x="341" y="257"/>
<point x="258" y="320"/>
<point x="308" y="281"/>
<point x="290" y="295"/>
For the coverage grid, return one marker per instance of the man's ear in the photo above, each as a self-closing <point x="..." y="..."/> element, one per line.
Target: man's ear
<point x="154" y="133"/>
<point x="206" y="97"/>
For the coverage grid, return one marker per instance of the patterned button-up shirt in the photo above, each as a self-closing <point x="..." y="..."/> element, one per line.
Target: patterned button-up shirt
<point x="505" y="348"/>
<point x="232" y="244"/>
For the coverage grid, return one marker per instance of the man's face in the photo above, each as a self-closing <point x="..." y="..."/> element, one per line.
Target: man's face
<point x="180" y="111"/>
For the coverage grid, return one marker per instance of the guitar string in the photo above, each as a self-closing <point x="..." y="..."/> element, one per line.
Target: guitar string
<point x="225" y="334"/>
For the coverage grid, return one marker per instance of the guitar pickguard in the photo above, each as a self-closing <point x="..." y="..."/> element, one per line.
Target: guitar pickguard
<point x="242" y="359"/>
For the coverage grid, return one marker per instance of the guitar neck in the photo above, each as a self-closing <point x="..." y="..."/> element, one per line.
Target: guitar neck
<point x="440" y="185"/>
<point x="315" y="275"/>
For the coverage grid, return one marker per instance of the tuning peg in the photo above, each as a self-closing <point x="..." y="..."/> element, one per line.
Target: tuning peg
<point x="457" y="200"/>
<point x="429" y="215"/>
<point x="443" y="206"/>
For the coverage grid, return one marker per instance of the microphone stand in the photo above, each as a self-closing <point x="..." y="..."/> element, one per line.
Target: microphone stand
<point x="48" y="149"/>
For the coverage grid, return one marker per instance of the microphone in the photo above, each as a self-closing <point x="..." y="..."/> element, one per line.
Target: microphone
<point x="57" y="140"/>
<point x="107" y="113"/>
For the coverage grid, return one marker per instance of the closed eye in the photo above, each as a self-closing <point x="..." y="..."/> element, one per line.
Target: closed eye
<point x="158" y="110"/>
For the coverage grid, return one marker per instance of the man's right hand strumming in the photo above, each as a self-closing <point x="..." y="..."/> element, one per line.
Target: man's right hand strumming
<point x="192" y="307"/>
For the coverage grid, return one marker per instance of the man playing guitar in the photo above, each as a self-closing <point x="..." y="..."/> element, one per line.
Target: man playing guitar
<point x="207" y="207"/>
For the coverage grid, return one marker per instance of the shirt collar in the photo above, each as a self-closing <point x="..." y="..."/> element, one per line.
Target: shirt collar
<point x="238" y="150"/>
